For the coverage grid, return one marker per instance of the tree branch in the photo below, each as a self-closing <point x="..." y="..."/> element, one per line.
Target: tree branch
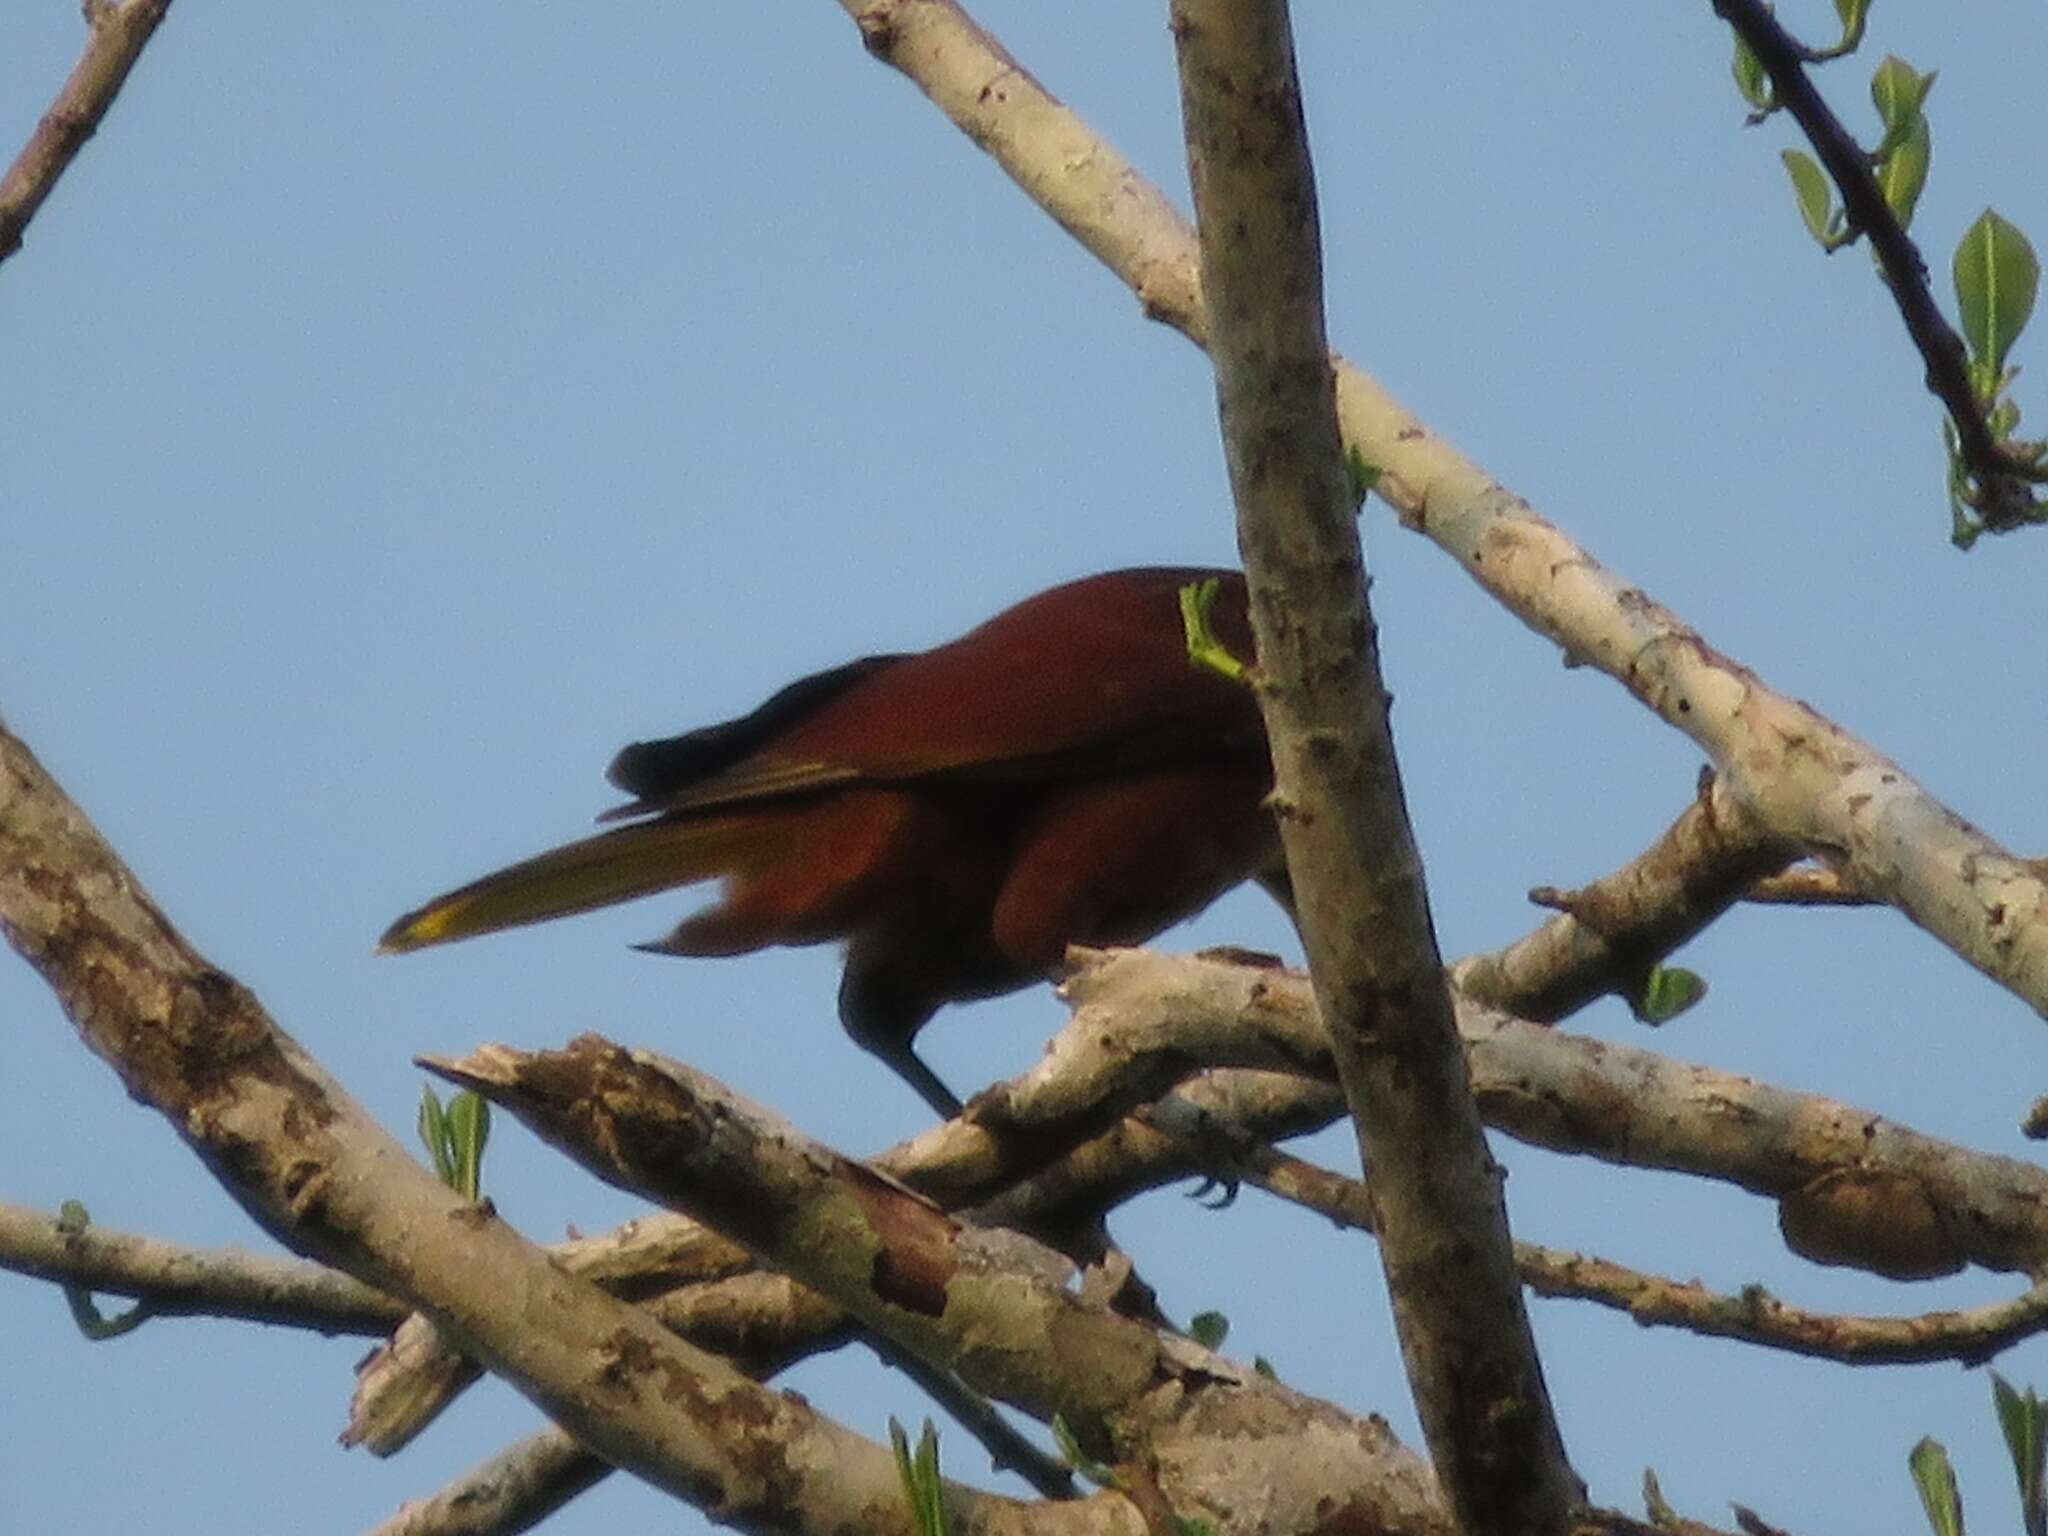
<point x="316" y="1171"/>
<point x="1752" y="1316"/>
<point x="1808" y="886"/>
<point x="402" y="1385"/>
<point x="993" y="1306"/>
<point x="1853" y="1188"/>
<point x="1613" y="932"/>
<point x="1221" y="1123"/>
<point x="177" y="1281"/>
<point x="1937" y="1205"/>
<point x="1352" y="862"/>
<point x="118" y="29"/>
<point x="513" y="1491"/>
<point x="1805" y="778"/>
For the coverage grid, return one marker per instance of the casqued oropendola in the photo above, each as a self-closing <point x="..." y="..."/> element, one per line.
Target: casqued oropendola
<point x="957" y="817"/>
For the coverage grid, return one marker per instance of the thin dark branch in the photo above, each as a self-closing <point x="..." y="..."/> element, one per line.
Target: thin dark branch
<point x="1009" y="1448"/>
<point x="119" y="29"/>
<point x="2003" y="482"/>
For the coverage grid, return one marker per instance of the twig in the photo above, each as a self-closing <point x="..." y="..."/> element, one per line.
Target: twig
<point x="1009" y="1449"/>
<point x="1752" y="1315"/>
<point x="118" y="29"/>
<point x="2002" y="480"/>
<point x="1813" y="885"/>
<point x="1609" y="934"/>
<point x="177" y="1281"/>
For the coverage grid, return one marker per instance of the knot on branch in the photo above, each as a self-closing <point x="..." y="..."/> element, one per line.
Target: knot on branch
<point x="1864" y="1219"/>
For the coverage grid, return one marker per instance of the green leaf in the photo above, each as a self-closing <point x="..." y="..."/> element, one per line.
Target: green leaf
<point x="1902" y="170"/>
<point x="1667" y="992"/>
<point x="469" y="1129"/>
<point x="455" y="1139"/>
<point x="1751" y="80"/>
<point x="433" y="1128"/>
<point x="1854" y="14"/>
<point x="1936" y="1480"/>
<point x="2020" y="1418"/>
<point x="1899" y="91"/>
<point x="1996" y="276"/>
<point x="923" y="1489"/>
<point x="1209" y="1329"/>
<point x="1654" y="1503"/>
<point x="1816" y="198"/>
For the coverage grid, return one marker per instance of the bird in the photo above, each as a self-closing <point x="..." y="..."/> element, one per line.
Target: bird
<point x="1061" y="774"/>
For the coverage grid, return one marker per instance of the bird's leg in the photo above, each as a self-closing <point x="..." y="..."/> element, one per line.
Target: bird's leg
<point x="902" y="1060"/>
<point x="882" y="1016"/>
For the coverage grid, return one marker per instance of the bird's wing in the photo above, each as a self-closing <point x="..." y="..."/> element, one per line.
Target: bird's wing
<point x="662" y="774"/>
<point x="1087" y="678"/>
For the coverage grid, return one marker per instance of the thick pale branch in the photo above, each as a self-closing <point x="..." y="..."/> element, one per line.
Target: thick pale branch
<point x="1221" y="1122"/>
<point x="118" y="31"/>
<point x="761" y="1322"/>
<point x="1007" y="1135"/>
<point x="1807" y="780"/>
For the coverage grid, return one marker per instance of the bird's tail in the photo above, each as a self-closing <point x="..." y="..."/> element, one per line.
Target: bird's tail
<point x="596" y="872"/>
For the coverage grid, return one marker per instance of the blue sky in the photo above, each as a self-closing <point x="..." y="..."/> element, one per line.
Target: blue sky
<point x="407" y="405"/>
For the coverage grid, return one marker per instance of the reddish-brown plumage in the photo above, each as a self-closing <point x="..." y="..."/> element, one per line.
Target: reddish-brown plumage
<point x="1061" y="774"/>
